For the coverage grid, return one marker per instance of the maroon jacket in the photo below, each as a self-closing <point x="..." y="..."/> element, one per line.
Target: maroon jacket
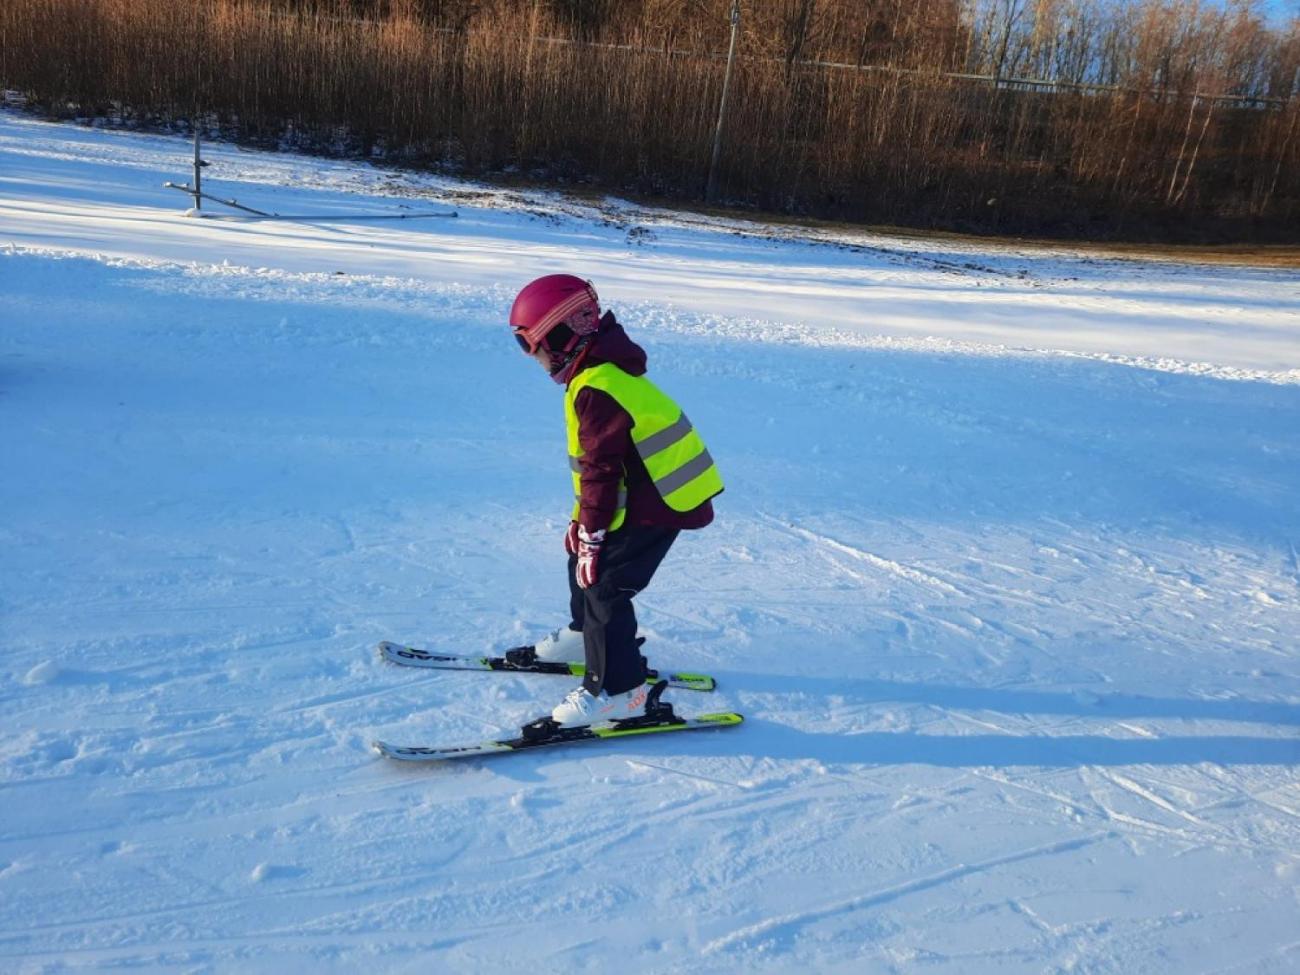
<point x="605" y="435"/>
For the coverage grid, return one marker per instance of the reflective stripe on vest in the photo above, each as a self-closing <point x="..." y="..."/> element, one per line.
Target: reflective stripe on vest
<point x="674" y="455"/>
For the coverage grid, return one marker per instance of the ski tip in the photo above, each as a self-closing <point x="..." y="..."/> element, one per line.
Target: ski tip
<point x="721" y="720"/>
<point x="693" y="682"/>
<point x="681" y="681"/>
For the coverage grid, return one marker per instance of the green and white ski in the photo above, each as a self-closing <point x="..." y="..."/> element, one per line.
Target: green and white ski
<point x="541" y="738"/>
<point x="415" y="657"/>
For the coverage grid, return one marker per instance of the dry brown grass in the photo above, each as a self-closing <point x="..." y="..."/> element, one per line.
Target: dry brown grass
<point x="487" y="86"/>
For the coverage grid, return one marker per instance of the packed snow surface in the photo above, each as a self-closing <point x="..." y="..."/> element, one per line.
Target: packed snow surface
<point x="1005" y="581"/>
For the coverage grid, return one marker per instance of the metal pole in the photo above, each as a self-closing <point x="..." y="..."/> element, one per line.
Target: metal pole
<point x="198" y="170"/>
<point x="712" y="188"/>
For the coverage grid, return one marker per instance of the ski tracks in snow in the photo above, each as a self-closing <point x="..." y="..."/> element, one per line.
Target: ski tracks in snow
<point x="889" y="566"/>
<point x="788" y="926"/>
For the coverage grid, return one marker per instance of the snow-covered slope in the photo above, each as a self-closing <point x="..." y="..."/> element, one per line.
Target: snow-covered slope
<point x="1005" y="582"/>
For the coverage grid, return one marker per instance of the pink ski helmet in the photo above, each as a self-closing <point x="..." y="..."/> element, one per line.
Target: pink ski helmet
<point x="557" y="311"/>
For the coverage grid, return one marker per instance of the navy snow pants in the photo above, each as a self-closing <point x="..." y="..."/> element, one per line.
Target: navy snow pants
<point x="604" y="613"/>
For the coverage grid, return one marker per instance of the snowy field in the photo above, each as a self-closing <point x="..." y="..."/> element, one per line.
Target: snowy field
<point x="1005" y="581"/>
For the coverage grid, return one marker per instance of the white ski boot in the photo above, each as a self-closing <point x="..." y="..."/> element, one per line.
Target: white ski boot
<point x="581" y="707"/>
<point x="562" y="646"/>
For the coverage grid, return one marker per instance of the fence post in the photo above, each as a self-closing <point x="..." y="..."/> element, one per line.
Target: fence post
<point x="712" y="187"/>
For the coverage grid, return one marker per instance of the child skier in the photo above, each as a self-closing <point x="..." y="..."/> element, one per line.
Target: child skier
<point x="641" y="474"/>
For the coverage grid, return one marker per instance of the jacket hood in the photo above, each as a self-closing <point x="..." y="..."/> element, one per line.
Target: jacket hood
<point x="611" y="344"/>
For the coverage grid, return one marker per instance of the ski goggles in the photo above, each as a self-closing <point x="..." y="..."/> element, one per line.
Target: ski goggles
<point x="523" y="340"/>
<point x="560" y="338"/>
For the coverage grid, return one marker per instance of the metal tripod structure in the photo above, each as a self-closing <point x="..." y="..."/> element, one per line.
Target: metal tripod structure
<point x="195" y="192"/>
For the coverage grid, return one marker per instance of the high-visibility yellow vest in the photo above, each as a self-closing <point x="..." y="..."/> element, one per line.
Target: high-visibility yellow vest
<point x="673" y="453"/>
